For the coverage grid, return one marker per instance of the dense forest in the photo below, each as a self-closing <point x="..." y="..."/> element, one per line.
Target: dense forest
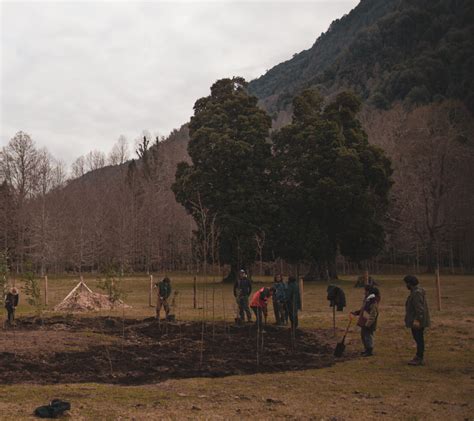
<point x="419" y="51"/>
<point x="411" y="64"/>
<point x="110" y="212"/>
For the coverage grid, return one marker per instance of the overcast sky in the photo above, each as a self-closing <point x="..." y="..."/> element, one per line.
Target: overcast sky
<point x="76" y="75"/>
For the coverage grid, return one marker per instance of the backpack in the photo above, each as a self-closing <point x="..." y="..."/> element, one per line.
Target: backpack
<point x="55" y="408"/>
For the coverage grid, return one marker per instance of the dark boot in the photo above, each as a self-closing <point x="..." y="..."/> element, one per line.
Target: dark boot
<point x="416" y="361"/>
<point x="368" y="352"/>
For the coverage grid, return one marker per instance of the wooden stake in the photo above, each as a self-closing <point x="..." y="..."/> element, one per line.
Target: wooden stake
<point x="438" y="288"/>
<point x="334" y="319"/>
<point x="195" y="292"/>
<point x="366" y="277"/>
<point x="150" y="293"/>
<point x="301" y="291"/>
<point x="46" y="290"/>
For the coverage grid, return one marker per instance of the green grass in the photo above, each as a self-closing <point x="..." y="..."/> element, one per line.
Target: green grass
<point x="379" y="387"/>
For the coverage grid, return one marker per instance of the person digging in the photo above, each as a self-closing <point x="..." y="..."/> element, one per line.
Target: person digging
<point x="242" y="291"/>
<point x="367" y="320"/>
<point x="164" y="292"/>
<point x="11" y="302"/>
<point x="259" y="305"/>
<point x="417" y="316"/>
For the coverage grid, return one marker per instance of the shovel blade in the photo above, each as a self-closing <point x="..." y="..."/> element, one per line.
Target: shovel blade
<point x="340" y="347"/>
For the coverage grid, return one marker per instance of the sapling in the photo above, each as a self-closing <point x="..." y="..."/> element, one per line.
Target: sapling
<point x="32" y="291"/>
<point x="3" y="278"/>
<point x="111" y="284"/>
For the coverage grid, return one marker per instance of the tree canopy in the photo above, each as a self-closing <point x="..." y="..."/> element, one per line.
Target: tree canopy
<point x="227" y="181"/>
<point x="332" y="184"/>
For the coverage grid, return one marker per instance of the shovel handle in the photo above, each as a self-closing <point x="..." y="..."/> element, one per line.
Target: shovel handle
<point x="348" y="326"/>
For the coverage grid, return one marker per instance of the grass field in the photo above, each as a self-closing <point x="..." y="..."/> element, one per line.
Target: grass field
<point x="379" y="387"/>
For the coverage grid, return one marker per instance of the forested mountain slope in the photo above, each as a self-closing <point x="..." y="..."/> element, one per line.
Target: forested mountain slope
<point x="411" y="61"/>
<point x="385" y="50"/>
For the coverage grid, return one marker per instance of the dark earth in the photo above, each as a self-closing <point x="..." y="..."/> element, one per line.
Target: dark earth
<point x="112" y="350"/>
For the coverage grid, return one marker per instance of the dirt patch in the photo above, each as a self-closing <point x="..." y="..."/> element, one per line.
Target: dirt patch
<point x="109" y="350"/>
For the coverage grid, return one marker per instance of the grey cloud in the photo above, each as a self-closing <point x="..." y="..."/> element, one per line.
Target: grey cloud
<point x="76" y="75"/>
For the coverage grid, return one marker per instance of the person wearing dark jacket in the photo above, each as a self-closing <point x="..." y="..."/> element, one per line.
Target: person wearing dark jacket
<point x="417" y="316"/>
<point x="242" y="291"/>
<point x="293" y="301"/>
<point x="279" y="300"/>
<point x="367" y="320"/>
<point x="164" y="292"/>
<point x="11" y="302"/>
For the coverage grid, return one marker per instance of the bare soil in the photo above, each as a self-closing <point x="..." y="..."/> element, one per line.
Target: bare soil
<point x="130" y="352"/>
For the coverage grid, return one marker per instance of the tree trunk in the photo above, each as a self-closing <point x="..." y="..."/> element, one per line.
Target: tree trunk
<point x="233" y="274"/>
<point x="332" y="269"/>
<point x="317" y="272"/>
<point x="430" y="257"/>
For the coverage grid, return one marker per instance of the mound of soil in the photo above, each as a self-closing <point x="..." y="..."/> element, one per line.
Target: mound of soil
<point x="146" y="351"/>
<point x="83" y="299"/>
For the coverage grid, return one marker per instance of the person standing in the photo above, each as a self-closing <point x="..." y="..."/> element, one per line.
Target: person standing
<point x="417" y="316"/>
<point x="367" y="320"/>
<point x="242" y="291"/>
<point x="259" y="305"/>
<point x="11" y="302"/>
<point x="293" y="301"/>
<point x="279" y="300"/>
<point x="164" y="292"/>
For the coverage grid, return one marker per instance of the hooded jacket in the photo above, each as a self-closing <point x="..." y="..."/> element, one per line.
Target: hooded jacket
<point x="293" y="295"/>
<point x="416" y="308"/>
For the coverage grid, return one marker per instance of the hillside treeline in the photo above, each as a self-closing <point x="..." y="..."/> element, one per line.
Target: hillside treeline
<point x="418" y="51"/>
<point x="120" y="216"/>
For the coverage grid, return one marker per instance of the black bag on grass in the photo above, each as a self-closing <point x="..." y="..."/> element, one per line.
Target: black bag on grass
<point x="55" y="409"/>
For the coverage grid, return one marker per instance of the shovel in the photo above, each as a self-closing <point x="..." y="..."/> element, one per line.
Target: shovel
<point x="341" y="346"/>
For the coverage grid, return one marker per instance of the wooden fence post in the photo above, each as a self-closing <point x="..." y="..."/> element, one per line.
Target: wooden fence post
<point x="438" y="288"/>
<point x="301" y="291"/>
<point x="45" y="290"/>
<point x="195" y="293"/>
<point x="150" y="293"/>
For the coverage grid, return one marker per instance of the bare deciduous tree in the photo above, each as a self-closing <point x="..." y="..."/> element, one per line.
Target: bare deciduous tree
<point x="119" y="153"/>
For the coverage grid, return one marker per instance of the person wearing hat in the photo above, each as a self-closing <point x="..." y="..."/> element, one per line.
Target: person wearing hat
<point x="11" y="301"/>
<point x="417" y="316"/>
<point x="367" y="320"/>
<point x="164" y="292"/>
<point x="242" y="291"/>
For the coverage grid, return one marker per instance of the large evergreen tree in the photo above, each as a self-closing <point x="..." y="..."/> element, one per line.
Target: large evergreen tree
<point x="332" y="185"/>
<point x="227" y="182"/>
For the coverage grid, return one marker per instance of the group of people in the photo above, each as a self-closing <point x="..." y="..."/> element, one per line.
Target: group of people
<point x="285" y="296"/>
<point x="287" y="302"/>
<point x="417" y="317"/>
